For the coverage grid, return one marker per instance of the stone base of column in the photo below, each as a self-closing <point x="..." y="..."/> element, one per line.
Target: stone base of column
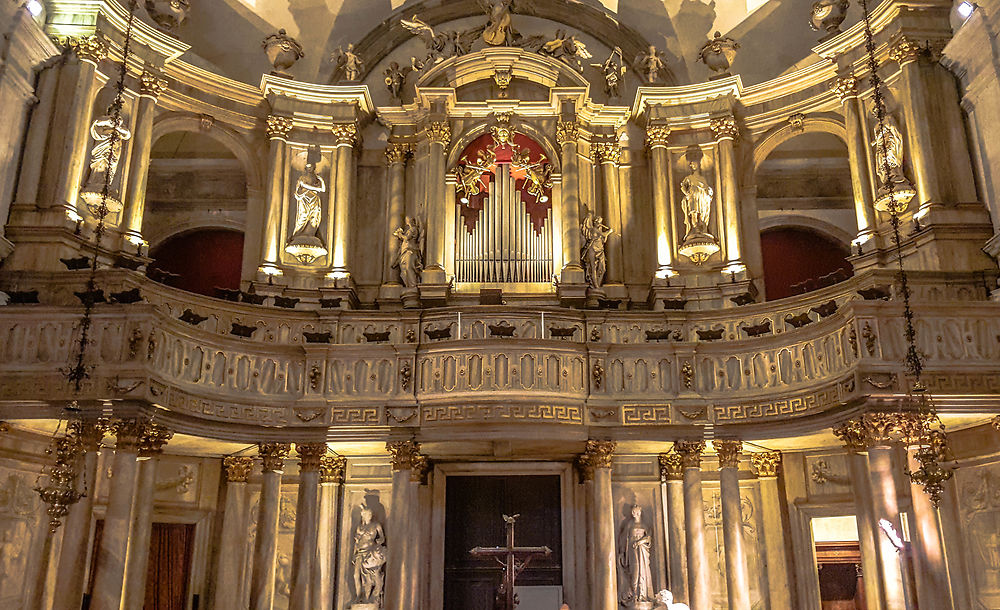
<point x="664" y="296"/>
<point x="434" y="294"/>
<point x="389" y="296"/>
<point x="6" y="247"/>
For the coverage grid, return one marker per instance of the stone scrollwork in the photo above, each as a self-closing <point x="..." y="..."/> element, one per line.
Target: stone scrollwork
<point x="765" y="464"/>
<point x="278" y="127"/>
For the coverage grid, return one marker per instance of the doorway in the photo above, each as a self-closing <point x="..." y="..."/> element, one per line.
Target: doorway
<point x="838" y="560"/>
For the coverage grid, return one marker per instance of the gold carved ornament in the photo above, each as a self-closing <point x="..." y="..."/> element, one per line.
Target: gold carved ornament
<point x="401" y="454"/>
<point x="128" y="434"/>
<point x="671" y="467"/>
<point x="87" y="48"/>
<point x="608" y="152"/>
<point x="345" y="133"/>
<point x="154" y="436"/>
<point x="278" y="127"/>
<point x="273" y="456"/>
<point x="846" y="87"/>
<point x="332" y="468"/>
<point x="728" y="452"/>
<point x="237" y="468"/>
<point x="397" y="152"/>
<point x="906" y="50"/>
<point x="567" y="132"/>
<point x="690" y="452"/>
<point x="724" y="127"/>
<point x="310" y="455"/>
<point x="420" y="465"/>
<point x="657" y="135"/>
<point x="151" y="85"/>
<point x="765" y="464"/>
<point x="438" y="132"/>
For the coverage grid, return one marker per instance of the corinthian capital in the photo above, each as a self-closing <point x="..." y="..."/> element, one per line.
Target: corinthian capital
<point x="765" y="464"/>
<point x="89" y="433"/>
<point x="567" y="132"/>
<point x="438" y="131"/>
<point x="397" y="152"/>
<point x="905" y="50"/>
<point x="402" y="453"/>
<point x="151" y="85"/>
<point x="883" y="428"/>
<point x="273" y="456"/>
<point x="724" y="127"/>
<point x="128" y="433"/>
<point x="345" y="133"/>
<point x="671" y="467"/>
<point x="846" y="87"/>
<point x="278" y="126"/>
<point x="237" y="468"/>
<point x="153" y="438"/>
<point x="728" y="452"/>
<point x="332" y="468"/>
<point x="690" y="452"/>
<point x="657" y="135"/>
<point x="88" y="48"/>
<point x="608" y="152"/>
<point x="309" y="455"/>
<point x="598" y="453"/>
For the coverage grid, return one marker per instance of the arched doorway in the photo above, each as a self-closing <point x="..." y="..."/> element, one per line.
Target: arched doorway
<point x="798" y="260"/>
<point x="204" y="260"/>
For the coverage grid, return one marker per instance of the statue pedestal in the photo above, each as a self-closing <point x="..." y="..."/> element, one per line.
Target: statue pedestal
<point x="434" y="295"/>
<point x="664" y="297"/>
<point x="572" y="295"/>
<point x="410" y="297"/>
<point x="363" y="607"/>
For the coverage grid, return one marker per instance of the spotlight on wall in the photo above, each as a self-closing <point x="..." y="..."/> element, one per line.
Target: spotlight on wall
<point x="964" y="9"/>
<point x="890" y="531"/>
<point x="35" y="7"/>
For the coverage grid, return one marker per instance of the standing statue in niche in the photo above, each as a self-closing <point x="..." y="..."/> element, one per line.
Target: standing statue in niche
<point x="368" y="561"/>
<point x="697" y="201"/>
<point x="651" y="63"/>
<point x="634" y="546"/>
<point x="108" y="135"/>
<point x="409" y="261"/>
<point x="888" y="145"/>
<point x="305" y="243"/>
<point x="595" y="234"/>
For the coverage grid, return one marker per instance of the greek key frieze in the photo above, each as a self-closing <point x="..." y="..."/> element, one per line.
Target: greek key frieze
<point x="646" y="414"/>
<point x="488" y="413"/>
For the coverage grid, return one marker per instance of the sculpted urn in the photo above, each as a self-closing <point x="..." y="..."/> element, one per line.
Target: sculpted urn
<point x="827" y="15"/>
<point x="282" y="51"/>
<point x="168" y="14"/>
<point x="718" y="54"/>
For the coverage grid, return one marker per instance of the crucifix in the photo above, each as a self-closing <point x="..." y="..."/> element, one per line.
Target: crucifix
<point x="514" y="560"/>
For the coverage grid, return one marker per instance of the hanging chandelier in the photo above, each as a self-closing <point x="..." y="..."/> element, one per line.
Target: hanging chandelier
<point x="60" y="491"/>
<point x="893" y="196"/>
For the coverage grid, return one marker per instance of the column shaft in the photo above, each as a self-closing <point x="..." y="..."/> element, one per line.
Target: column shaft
<point x="677" y="569"/>
<point x="265" y="549"/>
<point x="76" y="84"/>
<point x="920" y="141"/>
<point x="273" y="203"/>
<point x="933" y="584"/>
<point x="613" y="218"/>
<point x="662" y="214"/>
<point x="324" y="566"/>
<point x="142" y="527"/>
<point x="699" y="576"/>
<point x="572" y="271"/>
<point x="395" y="215"/>
<point x="39" y="125"/>
<point x="343" y="196"/>
<point x="886" y="506"/>
<point x="304" y="544"/>
<point x="397" y="541"/>
<point x="439" y="134"/>
<point x="778" y="585"/>
<point x="109" y="577"/>
<point x="70" y="581"/>
<point x="730" y="200"/>
<point x="867" y="530"/>
<point x="232" y="547"/>
<point x="605" y="588"/>
<point x="138" y="169"/>
<point x="857" y="153"/>
<point x="737" y="576"/>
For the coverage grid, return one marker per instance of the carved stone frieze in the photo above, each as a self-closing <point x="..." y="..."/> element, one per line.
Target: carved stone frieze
<point x="690" y="452"/>
<point x="237" y="468"/>
<point x="273" y="456"/>
<point x="728" y="452"/>
<point x="765" y="464"/>
<point x="278" y="127"/>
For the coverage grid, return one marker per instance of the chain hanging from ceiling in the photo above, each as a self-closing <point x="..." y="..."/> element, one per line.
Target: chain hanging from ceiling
<point x="929" y="436"/>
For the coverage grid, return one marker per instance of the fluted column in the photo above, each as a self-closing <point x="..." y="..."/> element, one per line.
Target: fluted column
<point x="150" y="447"/>
<point x="609" y="155"/>
<point x="699" y="576"/>
<point x="266" y="545"/>
<point x="150" y="87"/>
<point x="331" y="477"/>
<point x="304" y="544"/>
<point x="663" y="217"/>
<point x="737" y="575"/>
<point x="399" y="535"/>
<point x="725" y="131"/>
<point x="596" y="460"/>
<point x="438" y="134"/>
<point x="278" y="128"/>
<point x="346" y="135"/>
<point x="846" y="89"/>
<point x="567" y="135"/>
<point x="779" y="592"/>
<point x="109" y="576"/>
<point x="672" y="486"/>
<point x="70" y="581"/>
<point x="396" y="155"/>
<point x="232" y="541"/>
<point x="76" y="91"/>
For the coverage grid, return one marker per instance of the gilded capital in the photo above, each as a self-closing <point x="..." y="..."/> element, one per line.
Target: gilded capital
<point x="273" y="456"/>
<point x="567" y="132"/>
<point x="765" y="464"/>
<point x="724" y="127"/>
<point x="151" y="85"/>
<point x="996" y="423"/>
<point x="345" y="133"/>
<point x="728" y="452"/>
<point x="128" y="434"/>
<point x="88" y="48"/>
<point x="153" y="438"/>
<point x="690" y="452"/>
<point x="309" y="455"/>
<point x="397" y="152"/>
<point x="883" y="428"/>
<point x="332" y="468"/>
<point x="237" y="468"/>
<point x="278" y="126"/>
<point x="905" y="50"/>
<point x="657" y="135"/>
<point x="608" y="152"/>
<point x="846" y="87"/>
<point x="89" y="433"/>
<point x="402" y="453"/>
<point x="420" y="465"/>
<point x="671" y="467"/>
<point x="438" y="131"/>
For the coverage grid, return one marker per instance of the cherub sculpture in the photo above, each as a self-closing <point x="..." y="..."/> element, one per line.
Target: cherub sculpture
<point x="395" y="77"/>
<point x="652" y="63"/>
<point x="349" y="63"/>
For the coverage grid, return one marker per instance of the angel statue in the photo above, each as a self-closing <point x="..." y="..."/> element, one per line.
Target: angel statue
<point x="369" y="560"/>
<point x="566" y="48"/>
<point x="634" y="546"/>
<point x="349" y="63"/>
<point x="395" y="77"/>
<point x="697" y="201"/>
<point x="613" y="69"/>
<point x="409" y="261"/>
<point x="498" y="31"/>
<point x="440" y="45"/>
<point x="652" y="63"/>
<point x="538" y="177"/>
<point x="595" y="234"/>
<point x="108" y="133"/>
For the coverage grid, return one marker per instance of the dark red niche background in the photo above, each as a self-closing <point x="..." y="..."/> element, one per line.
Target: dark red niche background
<point x="793" y="255"/>
<point x="204" y="259"/>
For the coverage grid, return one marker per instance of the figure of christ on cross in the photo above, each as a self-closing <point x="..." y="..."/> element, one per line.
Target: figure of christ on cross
<point x="514" y="560"/>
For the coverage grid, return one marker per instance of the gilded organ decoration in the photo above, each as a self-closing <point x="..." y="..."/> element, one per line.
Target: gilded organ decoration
<point x="595" y="235"/>
<point x="696" y="205"/>
<point x="410" y="260"/>
<point x="108" y="134"/>
<point x="305" y="243"/>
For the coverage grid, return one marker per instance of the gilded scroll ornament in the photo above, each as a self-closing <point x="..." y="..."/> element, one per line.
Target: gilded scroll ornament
<point x="765" y="464"/>
<point x="237" y="468"/>
<point x="278" y="126"/>
<point x="728" y="451"/>
<point x="846" y="87"/>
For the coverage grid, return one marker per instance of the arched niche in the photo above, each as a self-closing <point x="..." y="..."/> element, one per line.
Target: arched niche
<point x="203" y="260"/>
<point x="799" y="258"/>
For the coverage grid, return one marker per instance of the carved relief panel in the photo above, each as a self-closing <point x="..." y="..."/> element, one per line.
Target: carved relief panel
<point x="979" y="503"/>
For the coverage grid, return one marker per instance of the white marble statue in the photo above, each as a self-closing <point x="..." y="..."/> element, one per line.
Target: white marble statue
<point x="595" y="234"/>
<point x="409" y="261"/>
<point x="309" y="205"/>
<point x="349" y="63"/>
<point x="665" y="601"/>
<point x="369" y="560"/>
<point x="697" y="201"/>
<point x="651" y="63"/>
<point x="634" y="546"/>
<point x="108" y="134"/>
<point x="888" y="145"/>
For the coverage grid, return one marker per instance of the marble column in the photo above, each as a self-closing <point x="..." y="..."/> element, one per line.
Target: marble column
<point x="663" y="217"/>
<point x="737" y="575"/>
<point x="609" y="155"/>
<point x="672" y="486"/>
<point x="346" y="135"/>
<point x="699" y="575"/>
<point x="398" y="573"/>
<point x="438" y="134"/>
<point x="846" y="89"/>
<point x="779" y="592"/>
<point x="39" y="126"/>
<point x="331" y="477"/>
<point x="604" y="584"/>
<point x="567" y="135"/>
<point x="232" y="540"/>
<point x="726" y="131"/>
<point x="266" y="545"/>
<point x="867" y="528"/>
<point x="304" y="544"/>
<point x="137" y="562"/>
<point x="415" y="574"/>
<point x="934" y="586"/>
<point x="278" y="128"/>
<point x="150" y="88"/>
<point x="396" y="155"/>
<point x="109" y="575"/>
<point x="70" y="583"/>
<point x="919" y="136"/>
